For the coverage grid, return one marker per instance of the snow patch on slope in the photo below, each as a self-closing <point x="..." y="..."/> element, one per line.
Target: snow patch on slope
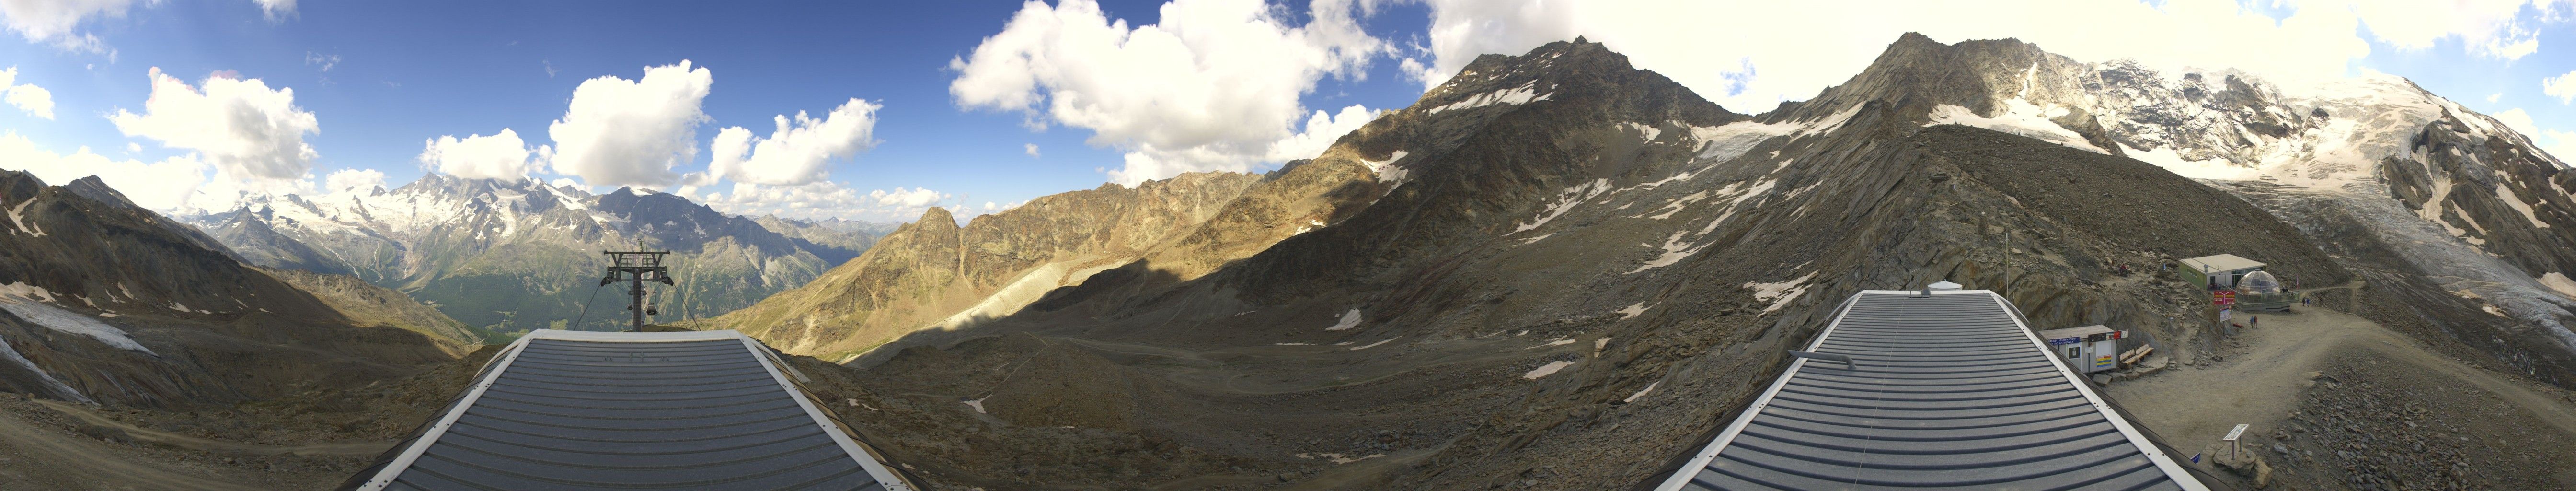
<point x="2560" y="283"/>
<point x="1349" y="320"/>
<point x="1545" y="370"/>
<point x="2019" y="118"/>
<point x="29" y="308"/>
<point x="1781" y="293"/>
<point x="1523" y="95"/>
<point x="1632" y="311"/>
<point x="16" y="217"/>
<point x="1387" y="171"/>
<point x="1565" y="202"/>
<point x="60" y="389"/>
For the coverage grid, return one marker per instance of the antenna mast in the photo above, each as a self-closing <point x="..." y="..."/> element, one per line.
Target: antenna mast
<point x="637" y="268"/>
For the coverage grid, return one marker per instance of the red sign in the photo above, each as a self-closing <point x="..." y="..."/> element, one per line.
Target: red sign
<point x="2222" y="297"/>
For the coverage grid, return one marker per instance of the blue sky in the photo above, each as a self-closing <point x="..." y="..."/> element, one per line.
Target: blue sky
<point x="379" y="79"/>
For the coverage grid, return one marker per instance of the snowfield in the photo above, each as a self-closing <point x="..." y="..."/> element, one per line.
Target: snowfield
<point x="23" y="300"/>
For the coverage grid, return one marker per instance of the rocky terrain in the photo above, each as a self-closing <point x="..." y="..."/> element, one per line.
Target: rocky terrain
<point x="508" y="256"/>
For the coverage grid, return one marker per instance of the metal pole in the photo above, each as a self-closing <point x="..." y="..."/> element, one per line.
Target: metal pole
<point x="635" y="280"/>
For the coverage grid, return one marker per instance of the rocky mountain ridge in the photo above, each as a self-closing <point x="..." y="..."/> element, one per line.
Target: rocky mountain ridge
<point x="933" y="274"/>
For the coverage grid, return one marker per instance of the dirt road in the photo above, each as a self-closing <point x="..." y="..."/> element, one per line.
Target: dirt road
<point x="2265" y="369"/>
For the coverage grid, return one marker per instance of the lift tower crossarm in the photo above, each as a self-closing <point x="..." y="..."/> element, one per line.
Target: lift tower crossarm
<point x="635" y="268"/>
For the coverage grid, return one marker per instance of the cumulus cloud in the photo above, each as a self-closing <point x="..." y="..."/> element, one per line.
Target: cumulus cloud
<point x="2518" y="120"/>
<point x="903" y="197"/>
<point x="798" y="152"/>
<point x="1747" y="66"/>
<point x="1213" y="85"/>
<point x="825" y="199"/>
<point x="1032" y="149"/>
<point x="57" y="22"/>
<point x="500" y="156"/>
<point x="621" y="132"/>
<point x="2562" y="87"/>
<point x="346" y="180"/>
<point x="1321" y="129"/>
<point x="36" y="101"/>
<point x="169" y="185"/>
<point x="241" y="126"/>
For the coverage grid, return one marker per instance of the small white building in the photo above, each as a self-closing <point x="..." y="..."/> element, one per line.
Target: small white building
<point x="2223" y="269"/>
<point x="2092" y="348"/>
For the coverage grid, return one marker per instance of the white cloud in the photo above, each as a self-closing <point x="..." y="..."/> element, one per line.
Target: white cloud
<point x="2562" y="87"/>
<point x="619" y="132"/>
<point x="345" y="180"/>
<point x="2491" y="98"/>
<point x="2560" y="145"/>
<point x="903" y="197"/>
<point x="36" y="101"/>
<point x="500" y="156"/>
<point x="825" y="199"/>
<point x="1032" y="149"/>
<point x="1321" y="130"/>
<point x="1751" y="65"/>
<point x="2518" y="120"/>
<point x="2489" y="28"/>
<point x="169" y="184"/>
<point x="1213" y="85"/>
<point x="241" y="126"/>
<point x="798" y="152"/>
<point x="55" y="21"/>
<point x="277" y="9"/>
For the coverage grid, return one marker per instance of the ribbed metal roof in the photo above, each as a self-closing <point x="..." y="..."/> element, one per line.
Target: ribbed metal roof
<point x="1949" y="391"/>
<point x="562" y="410"/>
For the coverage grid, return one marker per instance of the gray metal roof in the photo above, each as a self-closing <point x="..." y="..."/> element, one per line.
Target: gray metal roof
<point x="1950" y="391"/>
<point x="563" y="410"/>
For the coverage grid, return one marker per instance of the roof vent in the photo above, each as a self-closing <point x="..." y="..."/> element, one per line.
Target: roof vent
<point x="1942" y="286"/>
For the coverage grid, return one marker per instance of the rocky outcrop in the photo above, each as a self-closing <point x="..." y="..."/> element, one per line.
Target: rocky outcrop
<point x="102" y="300"/>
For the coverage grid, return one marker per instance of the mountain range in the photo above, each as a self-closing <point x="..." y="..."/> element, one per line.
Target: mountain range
<point x="514" y="255"/>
